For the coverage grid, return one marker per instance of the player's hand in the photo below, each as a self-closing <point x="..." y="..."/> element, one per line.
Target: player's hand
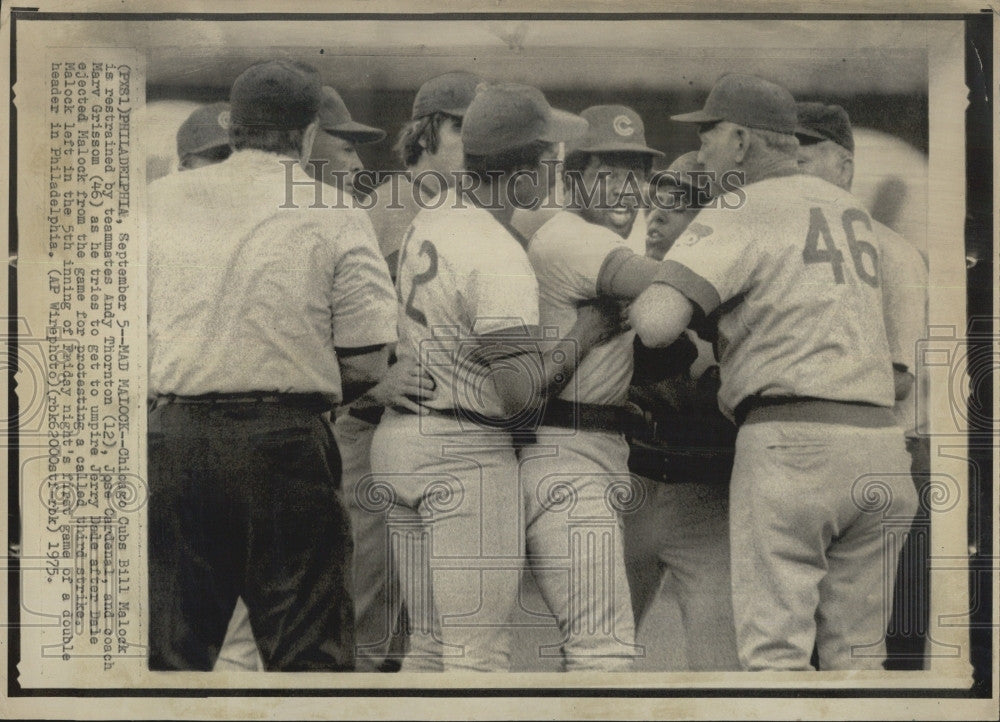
<point x="402" y="383"/>
<point x="599" y="321"/>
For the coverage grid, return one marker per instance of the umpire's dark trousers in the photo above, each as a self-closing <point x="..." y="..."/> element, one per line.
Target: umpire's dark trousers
<point x="244" y="501"/>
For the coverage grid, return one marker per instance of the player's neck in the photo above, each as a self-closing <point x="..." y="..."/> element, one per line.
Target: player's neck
<point x="492" y="197"/>
<point x="770" y="167"/>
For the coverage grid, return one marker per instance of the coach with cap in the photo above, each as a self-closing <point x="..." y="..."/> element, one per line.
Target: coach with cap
<point x="248" y="347"/>
<point x="790" y="268"/>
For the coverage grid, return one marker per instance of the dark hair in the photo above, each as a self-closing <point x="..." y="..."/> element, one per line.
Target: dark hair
<point x="525" y="157"/>
<point x="422" y="134"/>
<point x="271" y="140"/>
<point x="578" y="160"/>
<point x="215" y="154"/>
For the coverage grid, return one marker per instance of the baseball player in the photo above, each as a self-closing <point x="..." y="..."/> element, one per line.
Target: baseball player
<point x="334" y="158"/>
<point x="379" y="613"/>
<point x="806" y="374"/>
<point x="469" y="314"/>
<point x="430" y="148"/>
<point x="578" y="255"/>
<point x="679" y="538"/>
<point x="203" y="138"/>
<point x="826" y="149"/>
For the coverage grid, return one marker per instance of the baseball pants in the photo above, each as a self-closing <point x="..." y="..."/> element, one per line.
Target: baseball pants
<point x="244" y="502"/>
<point x="452" y="500"/>
<point x="679" y="538"/>
<point x="378" y="635"/>
<point x="815" y="514"/>
<point x="574" y="486"/>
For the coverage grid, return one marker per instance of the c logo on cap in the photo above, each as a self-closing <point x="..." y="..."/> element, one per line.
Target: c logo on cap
<point x="694" y="233"/>
<point x="223" y="120"/>
<point x="623" y="125"/>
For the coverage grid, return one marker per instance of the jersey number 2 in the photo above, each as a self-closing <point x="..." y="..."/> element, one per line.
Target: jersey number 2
<point x="819" y="228"/>
<point x="426" y="249"/>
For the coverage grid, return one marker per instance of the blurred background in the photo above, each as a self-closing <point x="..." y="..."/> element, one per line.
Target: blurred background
<point x="876" y="70"/>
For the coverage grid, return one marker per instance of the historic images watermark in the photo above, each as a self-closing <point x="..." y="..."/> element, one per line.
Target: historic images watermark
<point x="665" y="190"/>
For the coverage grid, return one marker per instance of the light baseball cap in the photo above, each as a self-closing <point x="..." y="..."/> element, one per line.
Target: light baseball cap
<point x="207" y="127"/>
<point x="748" y="101"/>
<point x="819" y="122"/>
<point x="450" y="93"/>
<point x="613" y="129"/>
<point x="336" y="119"/>
<point x="504" y="116"/>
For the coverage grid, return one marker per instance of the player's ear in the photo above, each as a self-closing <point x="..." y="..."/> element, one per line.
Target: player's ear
<point x="847" y="171"/>
<point x="741" y="137"/>
<point x="308" y="138"/>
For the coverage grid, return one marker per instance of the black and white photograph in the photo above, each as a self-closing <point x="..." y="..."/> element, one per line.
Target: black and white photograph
<point x="483" y="361"/>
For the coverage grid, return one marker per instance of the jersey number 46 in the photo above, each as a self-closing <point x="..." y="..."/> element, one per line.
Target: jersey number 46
<point x="820" y="229"/>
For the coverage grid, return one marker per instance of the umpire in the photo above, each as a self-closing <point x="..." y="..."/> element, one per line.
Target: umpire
<point x="245" y="299"/>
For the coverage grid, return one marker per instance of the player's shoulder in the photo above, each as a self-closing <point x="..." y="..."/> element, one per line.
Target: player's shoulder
<point x="566" y="227"/>
<point x="182" y="188"/>
<point x="789" y="190"/>
<point x="465" y="233"/>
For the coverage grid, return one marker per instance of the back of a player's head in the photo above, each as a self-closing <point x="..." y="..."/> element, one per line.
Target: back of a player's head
<point x="683" y="185"/>
<point x="510" y="126"/>
<point x="818" y="122"/>
<point x="507" y="161"/>
<point x="826" y="143"/>
<point x="272" y="104"/>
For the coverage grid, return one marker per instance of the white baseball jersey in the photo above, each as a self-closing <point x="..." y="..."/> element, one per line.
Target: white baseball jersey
<point x="567" y="254"/>
<point x="799" y="265"/>
<point x="461" y="274"/>
<point x="904" y="302"/>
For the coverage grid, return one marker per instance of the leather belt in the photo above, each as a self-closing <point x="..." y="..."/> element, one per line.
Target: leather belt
<point x="809" y="408"/>
<point x="369" y="414"/>
<point x="313" y="402"/>
<point x="595" y="417"/>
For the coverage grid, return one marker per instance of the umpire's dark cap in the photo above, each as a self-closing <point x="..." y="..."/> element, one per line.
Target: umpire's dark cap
<point x="278" y="94"/>
<point x="748" y="101"/>
<point x="819" y="122"/>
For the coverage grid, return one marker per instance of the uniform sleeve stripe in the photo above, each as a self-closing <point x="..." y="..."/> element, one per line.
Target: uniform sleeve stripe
<point x="693" y="286"/>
